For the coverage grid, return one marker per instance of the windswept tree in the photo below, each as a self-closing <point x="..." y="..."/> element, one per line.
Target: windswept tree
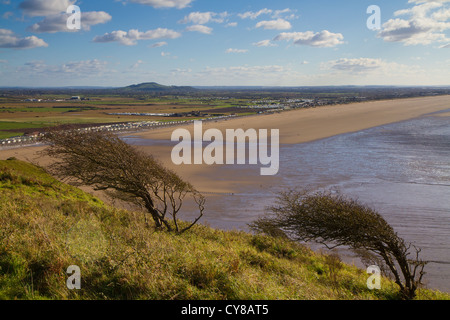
<point x="104" y="162"/>
<point x="334" y="220"/>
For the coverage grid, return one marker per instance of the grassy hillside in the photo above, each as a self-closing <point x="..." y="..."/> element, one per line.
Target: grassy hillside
<point x="46" y="226"/>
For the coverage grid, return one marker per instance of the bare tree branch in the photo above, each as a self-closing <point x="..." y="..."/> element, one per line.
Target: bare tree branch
<point x="103" y="161"/>
<point x="334" y="220"/>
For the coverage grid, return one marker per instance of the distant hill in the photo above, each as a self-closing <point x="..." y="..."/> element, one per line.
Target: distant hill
<point x="155" y="87"/>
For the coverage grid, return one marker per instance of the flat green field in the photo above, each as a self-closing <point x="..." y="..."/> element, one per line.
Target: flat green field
<point x="17" y="114"/>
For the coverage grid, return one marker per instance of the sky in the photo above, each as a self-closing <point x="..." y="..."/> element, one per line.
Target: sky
<point x="224" y="43"/>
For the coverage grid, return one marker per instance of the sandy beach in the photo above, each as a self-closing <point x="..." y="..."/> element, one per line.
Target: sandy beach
<point x="296" y="126"/>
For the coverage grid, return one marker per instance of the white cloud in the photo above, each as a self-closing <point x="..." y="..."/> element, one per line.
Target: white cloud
<point x="159" y="44"/>
<point x="372" y="69"/>
<point x="79" y="69"/>
<point x="179" y="4"/>
<point x="279" y="24"/>
<point x="200" y="28"/>
<point x="425" y="1"/>
<point x="43" y="8"/>
<point x="231" y="50"/>
<point x="264" y="43"/>
<point x="253" y="15"/>
<point x="180" y="72"/>
<point x="231" y="24"/>
<point x="11" y="41"/>
<point x="58" y="22"/>
<point x="131" y="37"/>
<point x="359" y="65"/>
<point x="419" y="10"/>
<point x="204" y="17"/>
<point x="424" y="24"/>
<point x="271" y="75"/>
<point x="441" y="15"/>
<point x="286" y="14"/>
<point x="168" y="55"/>
<point x="323" y="39"/>
<point x="137" y="64"/>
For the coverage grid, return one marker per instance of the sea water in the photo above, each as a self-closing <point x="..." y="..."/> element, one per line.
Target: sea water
<point x="402" y="170"/>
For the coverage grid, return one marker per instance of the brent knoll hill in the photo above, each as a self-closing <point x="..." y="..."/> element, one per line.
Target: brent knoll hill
<point x="151" y="87"/>
<point x="47" y="226"/>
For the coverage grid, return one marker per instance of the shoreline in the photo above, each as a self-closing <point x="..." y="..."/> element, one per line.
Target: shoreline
<point x="307" y="125"/>
<point x="296" y="126"/>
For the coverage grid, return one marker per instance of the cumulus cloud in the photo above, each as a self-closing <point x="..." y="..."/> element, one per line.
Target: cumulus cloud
<point x="159" y="44"/>
<point x="58" y="22"/>
<point x="11" y="41"/>
<point x="264" y="43"/>
<point x="286" y="14"/>
<point x="231" y="50"/>
<point x="204" y="17"/>
<point x="423" y="24"/>
<point x="442" y="15"/>
<point x="231" y="24"/>
<point x="76" y="68"/>
<point x="179" y="4"/>
<point x="131" y="37"/>
<point x="200" y="28"/>
<point x="253" y="15"/>
<point x="323" y="39"/>
<point x="425" y="1"/>
<point x="279" y="24"/>
<point x="360" y="65"/>
<point x="42" y="8"/>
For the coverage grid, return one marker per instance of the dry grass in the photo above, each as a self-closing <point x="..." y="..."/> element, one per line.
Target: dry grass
<point x="46" y="226"/>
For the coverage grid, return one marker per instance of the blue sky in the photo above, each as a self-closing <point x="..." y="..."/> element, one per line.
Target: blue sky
<point x="216" y="42"/>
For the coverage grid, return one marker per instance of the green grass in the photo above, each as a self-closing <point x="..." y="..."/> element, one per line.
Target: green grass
<point x="39" y="109"/>
<point x="11" y="125"/>
<point x="6" y="134"/>
<point x="5" y="126"/>
<point x="46" y="226"/>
